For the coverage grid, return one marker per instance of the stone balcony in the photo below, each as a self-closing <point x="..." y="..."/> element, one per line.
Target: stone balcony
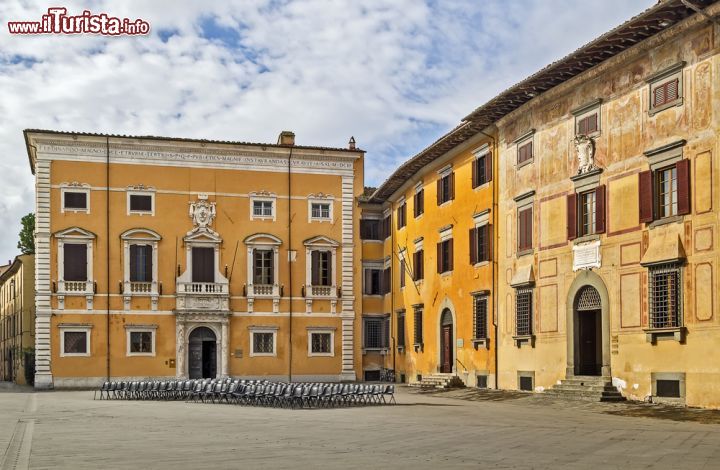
<point x="203" y="296"/>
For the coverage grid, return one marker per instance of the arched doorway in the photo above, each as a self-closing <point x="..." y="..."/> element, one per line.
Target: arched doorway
<point x="202" y="353"/>
<point x="446" y="342"/>
<point x="588" y="333"/>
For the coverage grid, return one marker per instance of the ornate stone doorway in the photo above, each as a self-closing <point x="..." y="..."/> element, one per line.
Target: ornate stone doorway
<point x="202" y="353"/>
<point x="446" y="342"/>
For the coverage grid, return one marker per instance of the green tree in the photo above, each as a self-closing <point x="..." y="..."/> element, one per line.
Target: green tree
<point x="27" y="235"/>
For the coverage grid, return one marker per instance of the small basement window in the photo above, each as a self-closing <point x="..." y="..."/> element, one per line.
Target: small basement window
<point x="526" y="383"/>
<point x="482" y="381"/>
<point x="668" y="388"/>
<point x="372" y="376"/>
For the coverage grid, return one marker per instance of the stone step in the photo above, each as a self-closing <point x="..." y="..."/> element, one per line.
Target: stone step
<point x="595" y="388"/>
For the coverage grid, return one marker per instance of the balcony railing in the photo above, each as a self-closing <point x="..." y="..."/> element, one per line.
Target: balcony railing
<point x="75" y="287"/>
<point x="202" y="288"/>
<point x="140" y="287"/>
<point x="321" y="291"/>
<point x="263" y="289"/>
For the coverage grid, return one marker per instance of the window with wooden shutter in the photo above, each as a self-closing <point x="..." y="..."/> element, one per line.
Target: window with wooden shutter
<point x="473" y="245"/>
<point x="203" y="264"/>
<point x="488" y="167"/>
<point x="445" y="256"/>
<point x="401" y="330"/>
<point x="483" y="243"/>
<point x="418" y="327"/>
<point x="386" y="227"/>
<point x="588" y="124"/>
<point x="525" y="229"/>
<point x="571" y="216"/>
<point x="386" y="281"/>
<point x="418" y="265"/>
<point x="446" y="188"/>
<point x="666" y="92"/>
<point x="75" y="262"/>
<point x="587" y="215"/>
<point x="683" y="187"/>
<point x="451" y="189"/>
<point x="401" y="215"/>
<point x="140" y="263"/>
<point x="645" y="188"/>
<point x="419" y="202"/>
<point x="600" y="209"/>
<point x="402" y="273"/>
<point x="525" y="152"/>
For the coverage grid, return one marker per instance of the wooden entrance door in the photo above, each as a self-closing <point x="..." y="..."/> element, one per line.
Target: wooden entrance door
<point x="589" y="347"/>
<point x="202" y="354"/>
<point x="446" y="365"/>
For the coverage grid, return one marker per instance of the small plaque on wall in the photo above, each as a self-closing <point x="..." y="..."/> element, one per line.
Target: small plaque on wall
<point x="586" y="255"/>
<point x="460" y="343"/>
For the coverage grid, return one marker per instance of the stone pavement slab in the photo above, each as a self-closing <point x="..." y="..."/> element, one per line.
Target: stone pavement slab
<point x="70" y="430"/>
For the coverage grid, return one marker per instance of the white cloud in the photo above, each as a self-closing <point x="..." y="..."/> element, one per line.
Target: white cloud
<point x="396" y="74"/>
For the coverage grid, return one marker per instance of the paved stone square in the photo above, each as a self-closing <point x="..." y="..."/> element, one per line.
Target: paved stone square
<point x="462" y="429"/>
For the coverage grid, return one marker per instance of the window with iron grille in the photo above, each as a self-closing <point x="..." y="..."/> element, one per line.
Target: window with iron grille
<point x="75" y="342"/>
<point x="667" y="194"/>
<point x="523" y="312"/>
<point x="665" y="296"/>
<point x="480" y="316"/>
<point x="321" y="343"/>
<point x="263" y="267"/>
<point x="263" y="343"/>
<point x="587" y="213"/>
<point x="401" y="329"/>
<point x="320" y="210"/>
<point x="418" y="326"/>
<point x="373" y="333"/>
<point x="141" y="342"/>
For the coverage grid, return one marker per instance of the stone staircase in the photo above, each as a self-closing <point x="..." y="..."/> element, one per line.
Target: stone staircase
<point x="590" y="388"/>
<point x="438" y="381"/>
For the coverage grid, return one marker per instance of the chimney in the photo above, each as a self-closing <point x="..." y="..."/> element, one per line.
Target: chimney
<point x="351" y="143"/>
<point x="286" y="138"/>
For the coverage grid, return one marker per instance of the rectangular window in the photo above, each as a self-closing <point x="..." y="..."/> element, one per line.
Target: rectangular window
<point x="525" y="228"/>
<point x="141" y="342"/>
<point x="587" y="213"/>
<point x="665" y="296"/>
<point x="370" y="229"/>
<point x="418" y="331"/>
<point x="203" y="264"/>
<point x="372" y="281"/>
<point x="480" y="313"/>
<point x="320" y="210"/>
<point x="141" y="203"/>
<point x="480" y="244"/>
<point x="263" y="343"/>
<point x="386" y="227"/>
<point x="445" y="256"/>
<point x="76" y="343"/>
<point x="321" y="269"/>
<point x="402" y="273"/>
<point x="667" y="200"/>
<point x="373" y="333"/>
<point x="401" y="330"/>
<point x="75" y="262"/>
<point x="587" y="125"/>
<point x="262" y="208"/>
<point x="481" y="170"/>
<point x="419" y="265"/>
<point x="419" y="202"/>
<point x="525" y="152"/>
<point x="665" y="93"/>
<point x="523" y="312"/>
<point x="263" y="267"/>
<point x="446" y="188"/>
<point x="141" y="267"/>
<point x="321" y="343"/>
<point x="75" y="200"/>
<point x="402" y="215"/>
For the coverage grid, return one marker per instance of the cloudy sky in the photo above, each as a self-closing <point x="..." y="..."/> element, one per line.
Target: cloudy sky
<point x="396" y="74"/>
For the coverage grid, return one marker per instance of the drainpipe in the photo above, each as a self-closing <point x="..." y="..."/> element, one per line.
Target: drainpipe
<point x="290" y="272"/>
<point x="495" y="252"/>
<point x="107" y="248"/>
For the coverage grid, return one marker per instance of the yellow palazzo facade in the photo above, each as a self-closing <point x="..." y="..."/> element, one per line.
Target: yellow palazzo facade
<point x="185" y="258"/>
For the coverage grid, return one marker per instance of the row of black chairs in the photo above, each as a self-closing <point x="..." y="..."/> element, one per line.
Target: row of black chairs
<point x="251" y="392"/>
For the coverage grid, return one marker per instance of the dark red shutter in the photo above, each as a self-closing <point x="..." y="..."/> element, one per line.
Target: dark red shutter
<point x="592" y="125"/>
<point x="399" y="216"/>
<point x="473" y="246"/>
<point x="315" y="268"/>
<point x="683" y="186"/>
<point x="582" y="126"/>
<point x="451" y="181"/>
<point x="645" y="189"/>
<point x="421" y="200"/>
<point x="488" y="243"/>
<point x="450" y="254"/>
<point x="404" y="213"/>
<point x="572" y="216"/>
<point x="475" y="176"/>
<point x="387" y="281"/>
<point x="600" y="209"/>
<point x="488" y="166"/>
<point x="439" y="191"/>
<point x="439" y="257"/>
<point x="671" y="90"/>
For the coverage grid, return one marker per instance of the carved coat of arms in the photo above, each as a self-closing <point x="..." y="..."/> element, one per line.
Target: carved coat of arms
<point x="202" y="213"/>
<point x="585" y="151"/>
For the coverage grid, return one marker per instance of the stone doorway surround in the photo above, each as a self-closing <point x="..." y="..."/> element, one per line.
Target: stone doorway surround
<point x="587" y="278"/>
<point x="185" y="323"/>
